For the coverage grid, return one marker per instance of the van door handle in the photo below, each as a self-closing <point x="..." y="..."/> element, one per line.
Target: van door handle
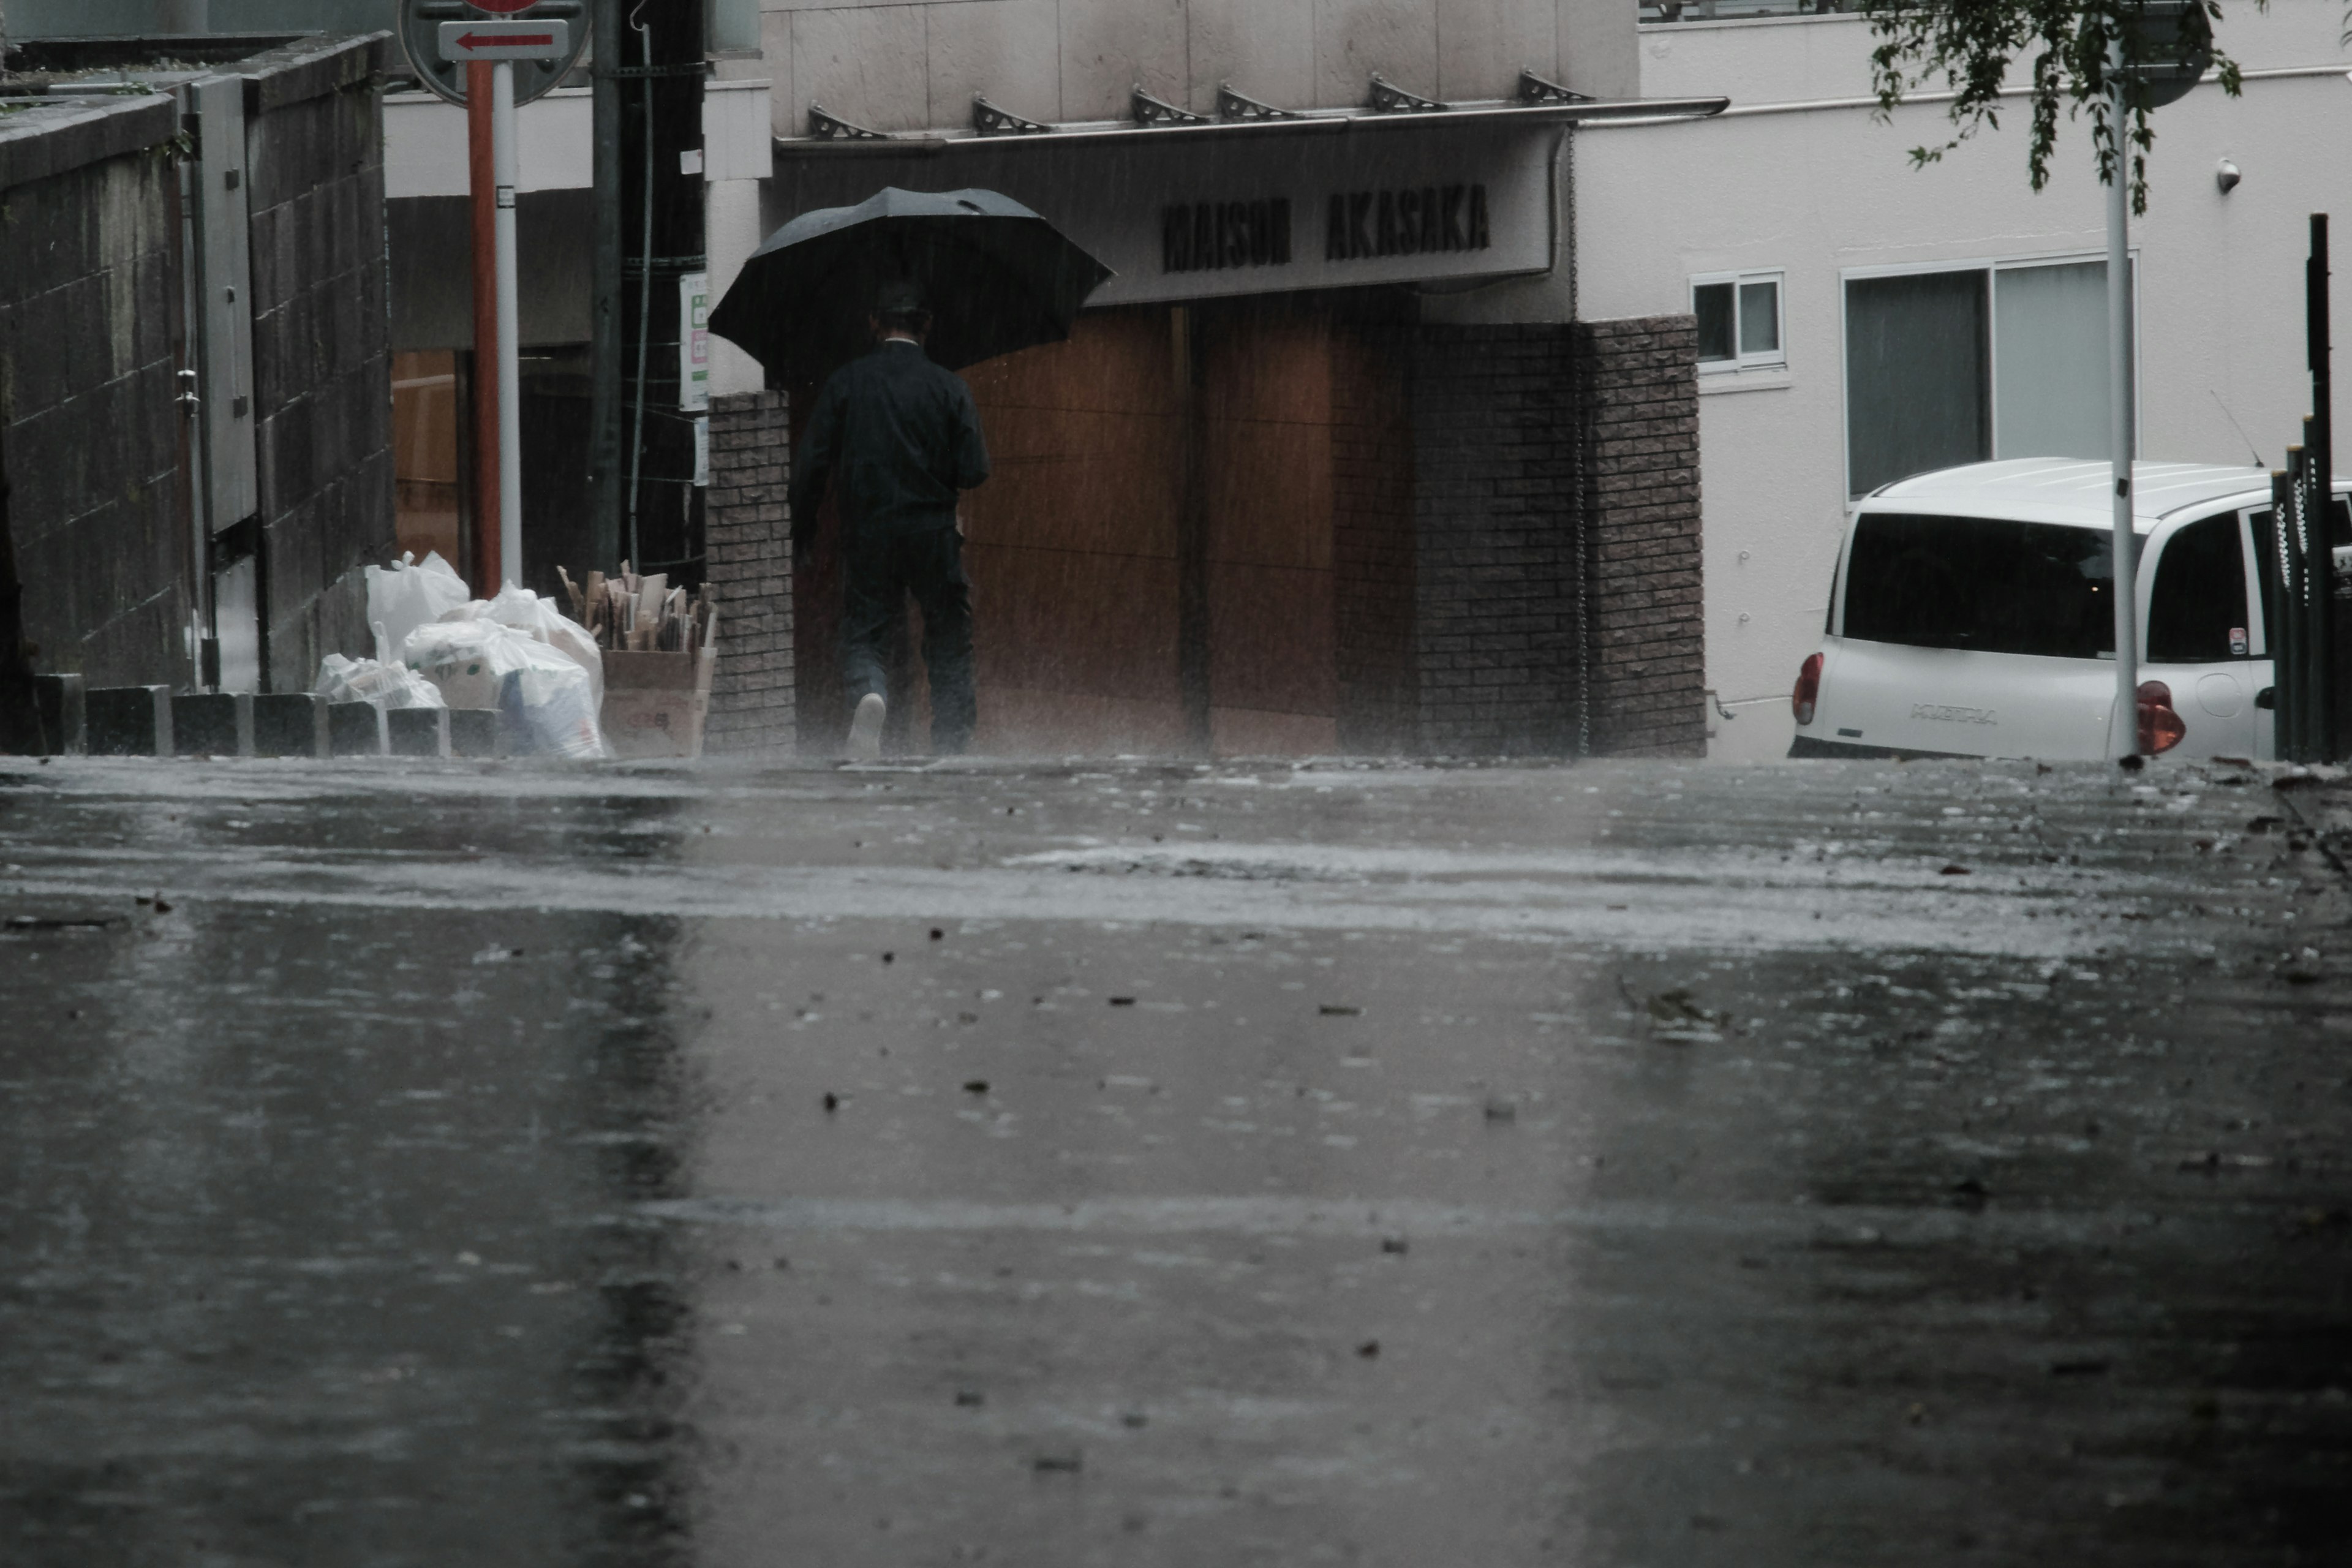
<point x="2266" y="697"/>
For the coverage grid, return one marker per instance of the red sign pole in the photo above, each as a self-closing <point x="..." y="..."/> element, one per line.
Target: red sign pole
<point x="484" y="188"/>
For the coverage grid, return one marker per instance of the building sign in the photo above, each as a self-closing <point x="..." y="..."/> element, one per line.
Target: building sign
<point x="1202" y="235"/>
<point x="1423" y="222"/>
<point x="1190" y="218"/>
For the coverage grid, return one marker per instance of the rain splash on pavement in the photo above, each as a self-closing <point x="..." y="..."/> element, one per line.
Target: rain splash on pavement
<point x="1151" y="1163"/>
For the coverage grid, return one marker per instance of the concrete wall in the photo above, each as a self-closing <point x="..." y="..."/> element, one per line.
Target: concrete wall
<point x="322" y="345"/>
<point x="905" y="67"/>
<point x="1815" y="191"/>
<point x="89" y="431"/>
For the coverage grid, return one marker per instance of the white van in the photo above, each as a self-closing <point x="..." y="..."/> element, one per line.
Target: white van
<point x="1972" y="616"/>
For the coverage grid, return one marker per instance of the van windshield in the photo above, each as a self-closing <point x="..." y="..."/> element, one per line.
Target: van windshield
<point x="1984" y="584"/>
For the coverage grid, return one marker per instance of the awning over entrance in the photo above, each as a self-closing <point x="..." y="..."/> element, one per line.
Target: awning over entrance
<point x="1273" y="204"/>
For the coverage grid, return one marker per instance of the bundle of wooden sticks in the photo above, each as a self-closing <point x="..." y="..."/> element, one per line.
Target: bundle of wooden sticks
<point x="642" y="615"/>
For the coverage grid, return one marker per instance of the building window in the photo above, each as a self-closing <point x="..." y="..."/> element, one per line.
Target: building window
<point x="1960" y="364"/>
<point x="1738" y="320"/>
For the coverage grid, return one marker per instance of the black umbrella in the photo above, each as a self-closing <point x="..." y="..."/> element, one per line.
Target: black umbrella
<point x="996" y="276"/>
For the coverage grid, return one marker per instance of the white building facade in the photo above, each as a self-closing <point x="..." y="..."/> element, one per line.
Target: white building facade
<point x="1994" y="291"/>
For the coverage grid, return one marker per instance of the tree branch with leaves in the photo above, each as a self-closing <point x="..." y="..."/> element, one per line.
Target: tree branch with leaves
<point x="2068" y="50"/>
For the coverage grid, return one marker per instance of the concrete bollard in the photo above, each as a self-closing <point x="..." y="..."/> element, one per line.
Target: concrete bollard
<point x="473" y="732"/>
<point x="213" y="724"/>
<point x="60" y="699"/>
<point x="289" y="724"/>
<point x="418" y="732"/>
<point x="354" y="729"/>
<point x="128" y="722"/>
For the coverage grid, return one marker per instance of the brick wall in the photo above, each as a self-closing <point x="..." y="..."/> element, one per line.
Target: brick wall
<point x="1639" y="384"/>
<point x="89" y="428"/>
<point x="321" y="344"/>
<point x="747" y="533"/>
<point x="1495" y="567"/>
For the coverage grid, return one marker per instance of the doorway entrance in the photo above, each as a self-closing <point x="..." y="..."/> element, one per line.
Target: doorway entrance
<point x="1197" y="539"/>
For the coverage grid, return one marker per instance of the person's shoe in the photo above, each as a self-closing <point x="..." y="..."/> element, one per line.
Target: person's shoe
<point x="865" y="728"/>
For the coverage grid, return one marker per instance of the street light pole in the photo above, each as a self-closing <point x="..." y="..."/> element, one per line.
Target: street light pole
<point x="509" y="337"/>
<point x="2123" y="729"/>
<point x="482" y="183"/>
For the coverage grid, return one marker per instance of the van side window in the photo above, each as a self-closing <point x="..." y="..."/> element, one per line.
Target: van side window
<point x="1984" y="584"/>
<point x="2199" y="597"/>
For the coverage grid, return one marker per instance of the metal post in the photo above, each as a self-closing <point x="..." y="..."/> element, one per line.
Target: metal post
<point x="2320" y="442"/>
<point x="2122" y="730"/>
<point x="2315" y="574"/>
<point x="502" y="141"/>
<point x="2285" y="644"/>
<point x="481" y="168"/>
<point x="604" y="307"/>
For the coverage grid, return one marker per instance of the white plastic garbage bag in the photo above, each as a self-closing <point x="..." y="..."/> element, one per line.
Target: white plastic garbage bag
<point x="537" y="618"/>
<point x="480" y="663"/>
<point x="407" y="595"/>
<point x="344" y="679"/>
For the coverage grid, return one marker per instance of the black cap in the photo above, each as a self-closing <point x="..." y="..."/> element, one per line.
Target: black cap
<point x="899" y="299"/>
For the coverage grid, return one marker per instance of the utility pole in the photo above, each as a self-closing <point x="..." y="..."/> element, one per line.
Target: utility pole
<point x="660" y="78"/>
<point x="604" y="465"/>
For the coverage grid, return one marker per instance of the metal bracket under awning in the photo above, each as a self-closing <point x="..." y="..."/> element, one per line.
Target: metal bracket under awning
<point x="1299" y="122"/>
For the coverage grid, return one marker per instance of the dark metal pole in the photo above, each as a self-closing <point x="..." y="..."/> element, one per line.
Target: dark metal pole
<point x="2287" y="665"/>
<point x="605" y="462"/>
<point x="2320" y="442"/>
<point x="2311" y="517"/>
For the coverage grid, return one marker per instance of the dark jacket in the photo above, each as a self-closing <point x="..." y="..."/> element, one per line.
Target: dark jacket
<point x="903" y="437"/>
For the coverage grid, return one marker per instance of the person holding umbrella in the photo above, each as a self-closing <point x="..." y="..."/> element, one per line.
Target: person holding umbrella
<point x="899" y="439"/>
<point x="894" y="431"/>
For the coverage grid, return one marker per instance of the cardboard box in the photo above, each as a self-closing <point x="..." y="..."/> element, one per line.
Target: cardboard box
<point x="654" y="703"/>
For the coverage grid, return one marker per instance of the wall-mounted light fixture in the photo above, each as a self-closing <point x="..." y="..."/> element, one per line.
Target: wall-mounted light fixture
<point x="2226" y="175"/>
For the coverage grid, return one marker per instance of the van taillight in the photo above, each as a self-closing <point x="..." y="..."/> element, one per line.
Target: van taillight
<point x="1809" y="689"/>
<point x="2161" y="729"/>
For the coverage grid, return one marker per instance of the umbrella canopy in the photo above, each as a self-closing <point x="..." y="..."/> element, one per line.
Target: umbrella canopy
<point x="996" y="276"/>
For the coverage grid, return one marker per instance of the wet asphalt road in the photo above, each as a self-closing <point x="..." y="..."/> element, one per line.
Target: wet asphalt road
<point x="1140" y="1164"/>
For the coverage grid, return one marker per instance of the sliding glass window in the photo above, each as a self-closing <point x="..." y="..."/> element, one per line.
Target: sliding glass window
<point x="1957" y="366"/>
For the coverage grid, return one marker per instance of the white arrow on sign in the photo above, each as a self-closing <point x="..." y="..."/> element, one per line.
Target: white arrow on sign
<point x="548" y="40"/>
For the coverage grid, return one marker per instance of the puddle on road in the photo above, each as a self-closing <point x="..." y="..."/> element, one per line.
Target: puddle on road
<point x="686" y="1225"/>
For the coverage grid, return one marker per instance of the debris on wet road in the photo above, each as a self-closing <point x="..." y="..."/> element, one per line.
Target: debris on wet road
<point x="1144" y="1162"/>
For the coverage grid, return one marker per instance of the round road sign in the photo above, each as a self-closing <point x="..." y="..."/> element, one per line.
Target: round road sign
<point x="420" y="28"/>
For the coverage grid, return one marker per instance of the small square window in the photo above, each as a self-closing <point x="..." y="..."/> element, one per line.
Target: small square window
<point x="1738" y="320"/>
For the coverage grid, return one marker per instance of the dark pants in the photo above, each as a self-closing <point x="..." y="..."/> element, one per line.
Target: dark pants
<point x="882" y="570"/>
